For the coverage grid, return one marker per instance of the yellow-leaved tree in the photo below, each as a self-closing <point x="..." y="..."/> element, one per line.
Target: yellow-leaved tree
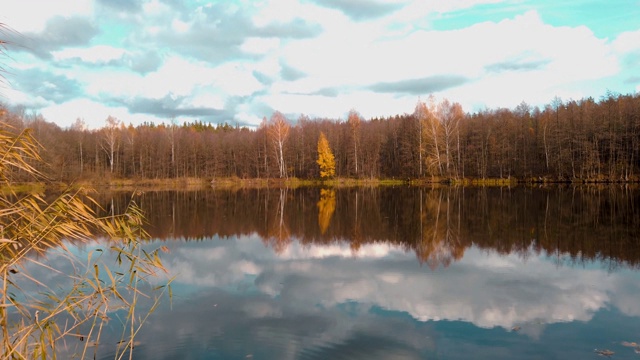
<point x="326" y="160"/>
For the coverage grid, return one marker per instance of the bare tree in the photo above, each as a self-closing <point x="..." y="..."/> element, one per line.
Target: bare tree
<point x="449" y="115"/>
<point x="279" y="131"/>
<point x="172" y="140"/>
<point x="434" y="133"/>
<point x="354" y="125"/>
<point x="420" y="113"/>
<point x="79" y="126"/>
<point x="111" y="143"/>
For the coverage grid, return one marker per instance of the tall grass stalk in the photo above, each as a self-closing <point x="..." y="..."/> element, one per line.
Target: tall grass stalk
<point x="41" y="320"/>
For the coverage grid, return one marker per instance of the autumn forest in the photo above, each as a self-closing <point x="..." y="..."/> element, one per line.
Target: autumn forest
<point x="584" y="140"/>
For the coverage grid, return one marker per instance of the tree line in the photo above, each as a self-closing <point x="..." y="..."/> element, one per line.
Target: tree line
<point x="583" y="140"/>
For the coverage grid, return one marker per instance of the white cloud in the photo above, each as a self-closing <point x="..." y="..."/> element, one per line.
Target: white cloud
<point x="422" y="7"/>
<point x="348" y="56"/>
<point x="108" y="82"/>
<point x="17" y="97"/>
<point x="32" y="15"/>
<point x="275" y="11"/>
<point x="369" y="104"/>
<point x="93" y="113"/>
<point x="505" y="62"/>
<point x="235" y="79"/>
<point x="260" y="45"/>
<point x="176" y="77"/>
<point x="206" y="100"/>
<point x="249" y="118"/>
<point x="180" y="26"/>
<point x="94" y="54"/>
<point x="155" y="8"/>
<point x="627" y="42"/>
<point x="345" y="54"/>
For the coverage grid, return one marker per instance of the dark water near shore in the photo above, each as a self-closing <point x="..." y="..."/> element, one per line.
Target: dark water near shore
<point x="395" y="273"/>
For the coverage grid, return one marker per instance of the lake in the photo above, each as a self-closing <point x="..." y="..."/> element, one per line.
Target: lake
<point x="393" y="273"/>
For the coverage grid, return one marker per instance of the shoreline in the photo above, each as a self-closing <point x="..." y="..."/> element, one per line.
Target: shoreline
<point x="238" y="183"/>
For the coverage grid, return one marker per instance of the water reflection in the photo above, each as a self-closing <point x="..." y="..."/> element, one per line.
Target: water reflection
<point x="575" y="225"/>
<point x="235" y="299"/>
<point x="338" y="277"/>
<point x="326" y="207"/>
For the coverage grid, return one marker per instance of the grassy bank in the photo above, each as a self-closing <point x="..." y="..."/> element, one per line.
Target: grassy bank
<point x="295" y="182"/>
<point x="155" y="184"/>
<point x="232" y="182"/>
<point x="30" y="187"/>
<point x="239" y="183"/>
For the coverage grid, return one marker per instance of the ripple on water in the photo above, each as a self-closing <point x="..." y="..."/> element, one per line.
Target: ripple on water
<point x="361" y="347"/>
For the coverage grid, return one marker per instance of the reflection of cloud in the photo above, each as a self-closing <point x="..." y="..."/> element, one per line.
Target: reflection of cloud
<point x="225" y="325"/>
<point x="373" y="251"/>
<point x="316" y="302"/>
<point x="627" y="288"/>
<point x="487" y="290"/>
<point x="261" y="309"/>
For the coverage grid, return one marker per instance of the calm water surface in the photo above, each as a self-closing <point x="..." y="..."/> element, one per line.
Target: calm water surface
<point x="395" y="273"/>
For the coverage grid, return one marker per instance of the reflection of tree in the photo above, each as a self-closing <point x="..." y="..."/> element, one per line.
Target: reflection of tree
<point x="326" y="207"/>
<point x="440" y="242"/>
<point x="574" y="224"/>
<point x="278" y="233"/>
<point x="356" y="235"/>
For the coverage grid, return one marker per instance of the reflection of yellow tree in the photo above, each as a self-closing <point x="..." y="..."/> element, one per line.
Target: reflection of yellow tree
<point x="440" y="242"/>
<point x="278" y="233"/>
<point x="326" y="207"/>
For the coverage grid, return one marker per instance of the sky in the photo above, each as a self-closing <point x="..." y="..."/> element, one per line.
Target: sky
<point x="239" y="61"/>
